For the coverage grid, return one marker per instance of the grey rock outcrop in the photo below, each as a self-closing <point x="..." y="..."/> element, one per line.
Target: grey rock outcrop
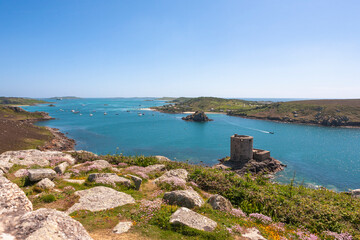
<point x="46" y="184"/>
<point x="100" y="198"/>
<point x="137" y="181"/>
<point x="179" y="173"/>
<point x="218" y="202"/>
<point x="77" y="181"/>
<point x="12" y="198"/>
<point x="184" y="198"/>
<point x="355" y="193"/>
<point x="21" y="173"/>
<point x="88" y="166"/>
<point x="162" y="158"/>
<point x="192" y="219"/>
<point x="13" y="204"/>
<point x="198" y="116"/>
<point x="61" y="168"/>
<point x="39" y="174"/>
<point x="33" y="157"/>
<point x="253" y="234"/>
<point x="155" y="168"/>
<point x="108" y="178"/>
<point x="122" y="227"/>
<point x="44" y="224"/>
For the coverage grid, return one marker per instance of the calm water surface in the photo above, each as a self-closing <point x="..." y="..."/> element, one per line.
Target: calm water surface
<point x="323" y="156"/>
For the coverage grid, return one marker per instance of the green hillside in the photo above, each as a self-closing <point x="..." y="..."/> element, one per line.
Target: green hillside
<point x="19" y="101"/>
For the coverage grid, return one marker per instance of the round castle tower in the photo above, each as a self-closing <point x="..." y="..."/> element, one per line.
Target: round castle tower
<point x="241" y="148"/>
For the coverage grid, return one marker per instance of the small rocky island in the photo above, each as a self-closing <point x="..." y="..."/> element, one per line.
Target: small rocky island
<point x="245" y="159"/>
<point x="198" y="116"/>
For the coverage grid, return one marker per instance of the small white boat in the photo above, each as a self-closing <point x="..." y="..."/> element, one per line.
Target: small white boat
<point x="73" y="111"/>
<point x="139" y="114"/>
<point x="91" y="114"/>
<point x="105" y="113"/>
<point x="80" y="114"/>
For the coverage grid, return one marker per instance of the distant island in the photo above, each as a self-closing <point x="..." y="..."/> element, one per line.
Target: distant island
<point x="9" y="101"/>
<point x="66" y="97"/>
<point x="166" y="99"/>
<point x="335" y="112"/>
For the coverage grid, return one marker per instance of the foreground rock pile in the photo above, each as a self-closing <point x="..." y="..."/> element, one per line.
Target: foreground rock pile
<point x="18" y="221"/>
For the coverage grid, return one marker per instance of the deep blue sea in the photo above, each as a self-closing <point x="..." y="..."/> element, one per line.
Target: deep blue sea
<point x="324" y="156"/>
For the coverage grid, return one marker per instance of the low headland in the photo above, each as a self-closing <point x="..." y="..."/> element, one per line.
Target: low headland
<point x="334" y="112"/>
<point x="17" y="129"/>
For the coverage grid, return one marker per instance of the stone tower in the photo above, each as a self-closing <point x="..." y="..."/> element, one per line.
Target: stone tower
<point x="241" y="148"/>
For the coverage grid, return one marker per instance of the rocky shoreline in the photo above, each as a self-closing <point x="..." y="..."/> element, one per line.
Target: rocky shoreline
<point x="326" y="122"/>
<point x="339" y="121"/>
<point x="60" y="142"/>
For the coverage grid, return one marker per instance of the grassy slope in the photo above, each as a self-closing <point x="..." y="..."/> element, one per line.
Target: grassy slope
<point x="344" y="112"/>
<point x="294" y="205"/>
<point x="15" y="134"/>
<point x="207" y="104"/>
<point x="19" y="101"/>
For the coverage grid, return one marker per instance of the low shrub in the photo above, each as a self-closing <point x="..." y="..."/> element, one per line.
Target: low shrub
<point x="48" y="198"/>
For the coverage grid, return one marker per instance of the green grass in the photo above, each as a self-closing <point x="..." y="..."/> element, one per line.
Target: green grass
<point x="19" y="101"/>
<point x="317" y="210"/>
<point x="324" y="112"/>
<point x="207" y="104"/>
<point x="295" y="205"/>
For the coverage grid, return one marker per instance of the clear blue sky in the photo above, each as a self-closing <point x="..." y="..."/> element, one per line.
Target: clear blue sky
<point x="124" y="48"/>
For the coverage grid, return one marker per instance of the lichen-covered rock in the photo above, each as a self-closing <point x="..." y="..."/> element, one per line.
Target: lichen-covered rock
<point x="155" y="168"/>
<point x="218" y="202"/>
<point x="46" y="184"/>
<point x="13" y="204"/>
<point x="21" y="173"/>
<point x="144" y="171"/>
<point x="192" y="219"/>
<point x="91" y="165"/>
<point x="137" y="181"/>
<point x="100" y="198"/>
<point x="44" y="224"/>
<point x="39" y="174"/>
<point x="173" y="181"/>
<point x="12" y="198"/>
<point x="184" y="198"/>
<point x="33" y="157"/>
<point x="122" y="227"/>
<point x="77" y="181"/>
<point x="108" y="178"/>
<point x="61" y="168"/>
<point x="252" y="234"/>
<point x="355" y="193"/>
<point x="179" y="173"/>
<point x="162" y="159"/>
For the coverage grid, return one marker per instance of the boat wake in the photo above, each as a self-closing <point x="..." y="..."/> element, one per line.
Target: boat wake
<point x="254" y="129"/>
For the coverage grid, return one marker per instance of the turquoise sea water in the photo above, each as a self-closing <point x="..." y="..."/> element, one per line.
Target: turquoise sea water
<point x="323" y="156"/>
